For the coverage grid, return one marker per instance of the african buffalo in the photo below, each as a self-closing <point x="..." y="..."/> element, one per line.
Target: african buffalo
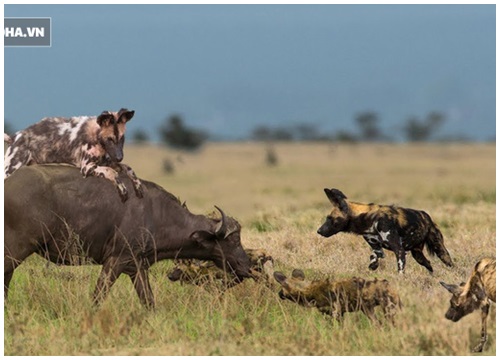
<point x="54" y="212"/>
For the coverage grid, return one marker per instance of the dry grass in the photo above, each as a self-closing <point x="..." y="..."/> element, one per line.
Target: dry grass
<point x="280" y="208"/>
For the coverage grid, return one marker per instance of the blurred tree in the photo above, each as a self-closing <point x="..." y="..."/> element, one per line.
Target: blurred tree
<point x="261" y="133"/>
<point x="307" y="132"/>
<point x="345" y="136"/>
<point x="178" y="135"/>
<point x="283" y="134"/>
<point x="140" y="136"/>
<point x="265" y="133"/>
<point x="368" y="125"/>
<point x="416" y="130"/>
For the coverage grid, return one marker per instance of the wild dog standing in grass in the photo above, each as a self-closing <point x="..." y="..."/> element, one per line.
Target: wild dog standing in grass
<point x="477" y="293"/>
<point x="336" y="297"/>
<point x="386" y="227"/>
<point x="92" y="143"/>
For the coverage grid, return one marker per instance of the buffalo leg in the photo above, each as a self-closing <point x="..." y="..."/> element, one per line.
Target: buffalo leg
<point x="107" y="278"/>
<point x="419" y="256"/>
<point x="15" y="251"/>
<point x="6" y="281"/>
<point x="143" y="288"/>
<point x="484" y="336"/>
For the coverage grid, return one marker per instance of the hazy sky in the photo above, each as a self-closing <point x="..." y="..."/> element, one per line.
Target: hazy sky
<point x="229" y="68"/>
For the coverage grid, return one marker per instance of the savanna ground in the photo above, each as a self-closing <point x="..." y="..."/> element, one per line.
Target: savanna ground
<point x="49" y="310"/>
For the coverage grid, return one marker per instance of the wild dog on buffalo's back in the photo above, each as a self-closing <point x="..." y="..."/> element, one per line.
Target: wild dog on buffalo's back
<point x="92" y="143"/>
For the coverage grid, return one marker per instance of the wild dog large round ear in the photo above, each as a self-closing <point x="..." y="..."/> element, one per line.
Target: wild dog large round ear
<point x="104" y="118"/>
<point x="298" y="274"/>
<point x="279" y="277"/>
<point x="125" y="115"/>
<point x="454" y="289"/>
<point x="337" y="198"/>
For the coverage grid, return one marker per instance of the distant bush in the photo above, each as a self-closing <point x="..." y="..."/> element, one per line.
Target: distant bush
<point x="422" y="130"/>
<point x="140" y="136"/>
<point x="176" y="134"/>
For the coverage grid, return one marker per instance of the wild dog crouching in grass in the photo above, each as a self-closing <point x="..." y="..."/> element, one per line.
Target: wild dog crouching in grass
<point x="336" y="297"/>
<point x="386" y="227"/>
<point x="202" y="273"/>
<point x="476" y="293"/>
<point x="92" y="143"/>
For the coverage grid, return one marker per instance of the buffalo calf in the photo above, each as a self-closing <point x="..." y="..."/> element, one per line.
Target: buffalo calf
<point x="337" y="297"/>
<point x="386" y="227"/>
<point x="476" y="293"/>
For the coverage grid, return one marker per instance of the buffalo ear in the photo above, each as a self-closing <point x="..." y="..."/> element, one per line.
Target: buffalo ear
<point x="279" y="277"/>
<point x="337" y="198"/>
<point x="454" y="289"/>
<point x="105" y="118"/>
<point x="202" y="237"/>
<point x="125" y="115"/>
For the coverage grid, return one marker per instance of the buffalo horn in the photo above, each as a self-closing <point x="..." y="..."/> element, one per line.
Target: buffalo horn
<point x="221" y="229"/>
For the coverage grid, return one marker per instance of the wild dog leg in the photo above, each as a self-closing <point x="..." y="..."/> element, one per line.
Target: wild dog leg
<point x="92" y="169"/>
<point x="132" y="176"/>
<point x="377" y="251"/>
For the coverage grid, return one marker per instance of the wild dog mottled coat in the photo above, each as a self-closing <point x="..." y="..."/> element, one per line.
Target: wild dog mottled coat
<point x="386" y="227"/>
<point x="92" y="143"/>
<point x="476" y="293"/>
<point x="201" y="273"/>
<point x="336" y="297"/>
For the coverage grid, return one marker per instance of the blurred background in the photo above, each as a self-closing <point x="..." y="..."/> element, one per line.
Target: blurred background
<point x="192" y="73"/>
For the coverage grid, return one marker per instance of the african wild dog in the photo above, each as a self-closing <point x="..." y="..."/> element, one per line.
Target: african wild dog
<point x="477" y="293"/>
<point x="386" y="227"/>
<point x="92" y="143"/>
<point x="203" y="272"/>
<point x="337" y="297"/>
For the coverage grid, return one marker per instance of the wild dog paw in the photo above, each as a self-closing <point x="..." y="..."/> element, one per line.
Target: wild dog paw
<point x="478" y="348"/>
<point x="373" y="265"/>
<point x="122" y="190"/>
<point x="139" y="189"/>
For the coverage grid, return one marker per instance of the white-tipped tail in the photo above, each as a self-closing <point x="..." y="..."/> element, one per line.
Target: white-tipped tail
<point x="7" y="138"/>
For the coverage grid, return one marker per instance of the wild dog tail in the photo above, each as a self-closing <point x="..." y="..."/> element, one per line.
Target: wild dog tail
<point x="435" y="244"/>
<point x="7" y="139"/>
